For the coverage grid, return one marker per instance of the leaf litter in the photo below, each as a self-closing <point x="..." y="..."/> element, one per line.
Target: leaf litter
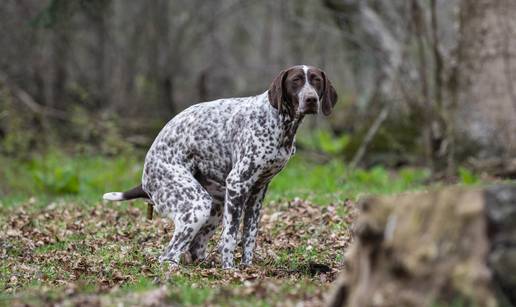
<point x="72" y="254"/>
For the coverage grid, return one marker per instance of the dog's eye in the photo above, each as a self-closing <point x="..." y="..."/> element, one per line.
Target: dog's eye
<point x="296" y="79"/>
<point x="317" y="80"/>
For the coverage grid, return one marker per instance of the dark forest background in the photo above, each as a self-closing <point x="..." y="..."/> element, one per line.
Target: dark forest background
<point x="421" y="82"/>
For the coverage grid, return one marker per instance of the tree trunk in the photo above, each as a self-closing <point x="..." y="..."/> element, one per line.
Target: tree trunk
<point x="164" y="69"/>
<point x="487" y="76"/>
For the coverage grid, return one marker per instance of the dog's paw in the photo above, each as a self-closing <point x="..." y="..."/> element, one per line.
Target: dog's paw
<point x="228" y="265"/>
<point x="163" y="259"/>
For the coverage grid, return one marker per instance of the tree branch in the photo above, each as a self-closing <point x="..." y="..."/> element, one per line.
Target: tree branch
<point x="382" y="116"/>
<point x="30" y="102"/>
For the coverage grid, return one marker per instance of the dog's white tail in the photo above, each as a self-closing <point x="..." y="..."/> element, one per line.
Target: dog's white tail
<point x="114" y="196"/>
<point x="136" y="192"/>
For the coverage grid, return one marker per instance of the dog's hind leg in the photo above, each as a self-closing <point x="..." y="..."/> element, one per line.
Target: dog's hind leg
<point x="183" y="235"/>
<point x="200" y="242"/>
<point x="189" y="205"/>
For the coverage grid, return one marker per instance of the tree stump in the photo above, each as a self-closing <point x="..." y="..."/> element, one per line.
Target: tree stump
<point x="455" y="245"/>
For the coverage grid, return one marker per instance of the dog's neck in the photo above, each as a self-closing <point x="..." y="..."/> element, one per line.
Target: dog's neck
<point x="288" y="123"/>
<point x="289" y="126"/>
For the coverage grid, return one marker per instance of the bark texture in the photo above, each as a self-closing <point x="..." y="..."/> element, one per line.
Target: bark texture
<point x="487" y="69"/>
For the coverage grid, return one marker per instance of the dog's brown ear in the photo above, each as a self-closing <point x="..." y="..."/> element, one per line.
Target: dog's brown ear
<point x="277" y="91"/>
<point x="329" y="98"/>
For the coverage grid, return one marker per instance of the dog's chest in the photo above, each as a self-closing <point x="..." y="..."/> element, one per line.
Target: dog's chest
<point x="273" y="162"/>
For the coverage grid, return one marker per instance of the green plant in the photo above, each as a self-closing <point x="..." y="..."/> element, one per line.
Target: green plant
<point x="467" y="177"/>
<point x="56" y="173"/>
<point x="57" y="179"/>
<point x="324" y="141"/>
<point x="330" y="144"/>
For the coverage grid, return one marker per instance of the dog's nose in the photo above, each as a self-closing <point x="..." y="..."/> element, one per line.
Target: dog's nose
<point x="311" y="101"/>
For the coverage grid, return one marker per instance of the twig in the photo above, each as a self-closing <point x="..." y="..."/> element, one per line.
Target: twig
<point x="150" y="210"/>
<point x="369" y="137"/>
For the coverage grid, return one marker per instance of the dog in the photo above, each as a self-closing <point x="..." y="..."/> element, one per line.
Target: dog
<point x="213" y="162"/>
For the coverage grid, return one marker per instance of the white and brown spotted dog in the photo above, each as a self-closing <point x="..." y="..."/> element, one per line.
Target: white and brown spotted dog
<point x="213" y="162"/>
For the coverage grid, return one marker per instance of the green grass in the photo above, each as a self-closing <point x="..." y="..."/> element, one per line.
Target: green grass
<point x="56" y="174"/>
<point x="331" y="182"/>
<point x="86" y="178"/>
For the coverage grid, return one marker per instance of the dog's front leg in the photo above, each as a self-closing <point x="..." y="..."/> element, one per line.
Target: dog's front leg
<point x="251" y="221"/>
<point x="237" y="193"/>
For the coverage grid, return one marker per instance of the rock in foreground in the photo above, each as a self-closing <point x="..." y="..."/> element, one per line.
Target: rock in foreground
<point x="455" y="245"/>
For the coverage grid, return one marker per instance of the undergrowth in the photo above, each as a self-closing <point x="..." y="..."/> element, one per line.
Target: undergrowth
<point x="86" y="177"/>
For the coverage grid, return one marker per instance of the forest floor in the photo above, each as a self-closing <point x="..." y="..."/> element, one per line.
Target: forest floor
<point x="78" y="249"/>
<point x="69" y="252"/>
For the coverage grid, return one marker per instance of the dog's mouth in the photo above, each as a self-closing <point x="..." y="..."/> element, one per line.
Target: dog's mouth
<point x="311" y="110"/>
<point x="311" y="107"/>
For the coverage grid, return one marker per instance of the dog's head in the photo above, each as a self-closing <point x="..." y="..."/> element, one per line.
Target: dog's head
<point x="302" y="90"/>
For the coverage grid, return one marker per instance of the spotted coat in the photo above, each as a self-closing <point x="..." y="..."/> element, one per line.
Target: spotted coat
<point x="212" y="162"/>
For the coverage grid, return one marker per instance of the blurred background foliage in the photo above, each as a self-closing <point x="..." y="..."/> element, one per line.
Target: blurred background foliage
<point x="426" y="87"/>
